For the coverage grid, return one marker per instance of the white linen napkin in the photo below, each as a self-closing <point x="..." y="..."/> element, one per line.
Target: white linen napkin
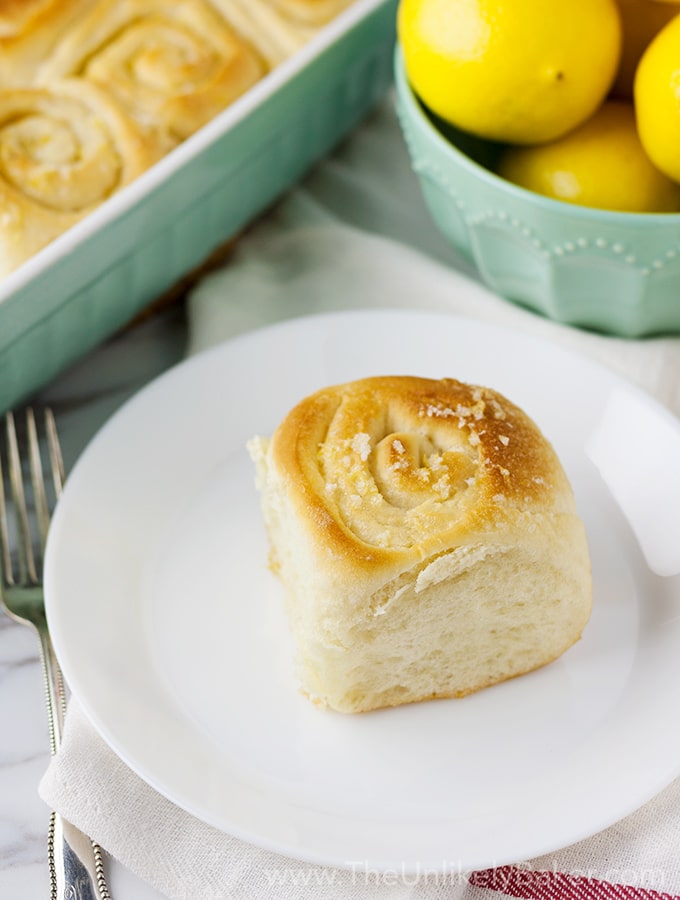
<point x="186" y="859"/>
<point x="357" y="235"/>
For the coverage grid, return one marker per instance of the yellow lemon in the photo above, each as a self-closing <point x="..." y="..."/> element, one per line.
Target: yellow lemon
<point x="518" y="71"/>
<point x="657" y="99"/>
<point x="600" y="164"/>
<point x="640" y="21"/>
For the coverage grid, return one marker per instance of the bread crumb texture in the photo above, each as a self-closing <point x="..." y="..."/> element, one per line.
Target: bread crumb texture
<point x="427" y="537"/>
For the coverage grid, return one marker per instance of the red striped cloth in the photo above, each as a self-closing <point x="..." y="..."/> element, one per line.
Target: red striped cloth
<point x="528" y="884"/>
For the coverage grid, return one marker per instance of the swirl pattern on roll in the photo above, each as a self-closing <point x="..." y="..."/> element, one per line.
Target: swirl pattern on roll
<point x="399" y="464"/>
<point x="172" y="65"/>
<point x="278" y="28"/>
<point x="63" y="151"/>
<point x="29" y="29"/>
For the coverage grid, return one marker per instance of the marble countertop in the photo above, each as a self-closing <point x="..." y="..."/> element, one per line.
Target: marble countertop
<point x="24" y="756"/>
<point x="23" y="759"/>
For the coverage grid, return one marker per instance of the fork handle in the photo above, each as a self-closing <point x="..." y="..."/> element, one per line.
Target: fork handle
<point x="55" y="692"/>
<point x="75" y="861"/>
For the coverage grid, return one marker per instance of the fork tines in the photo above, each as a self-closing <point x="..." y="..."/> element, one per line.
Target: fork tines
<point x="24" y="487"/>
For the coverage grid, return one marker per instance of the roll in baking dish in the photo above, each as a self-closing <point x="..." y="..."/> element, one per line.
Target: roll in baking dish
<point x="63" y="150"/>
<point x="168" y="66"/>
<point x="427" y="537"/>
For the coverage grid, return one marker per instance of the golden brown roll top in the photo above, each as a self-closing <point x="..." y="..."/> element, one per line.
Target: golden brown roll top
<point x="29" y="30"/>
<point x="310" y="12"/>
<point x="393" y="467"/>
<point x="171" y="65"/>
<point x="63" y="150"/>
<point x="278" y="28"/>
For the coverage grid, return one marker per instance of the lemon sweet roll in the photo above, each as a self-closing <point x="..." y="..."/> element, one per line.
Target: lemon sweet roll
<point x="427" y="538"/>
<point x="94" y="92"/>
<point x="63" y="150"/>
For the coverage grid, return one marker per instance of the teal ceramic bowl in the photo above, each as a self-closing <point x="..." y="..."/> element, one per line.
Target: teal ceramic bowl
<point x="617" y="273"/>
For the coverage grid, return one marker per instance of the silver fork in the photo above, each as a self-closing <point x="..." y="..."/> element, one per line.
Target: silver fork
<point x="75" y="862"/>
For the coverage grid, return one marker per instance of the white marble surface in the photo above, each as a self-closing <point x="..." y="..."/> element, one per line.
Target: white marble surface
<point x="82" y="399"/>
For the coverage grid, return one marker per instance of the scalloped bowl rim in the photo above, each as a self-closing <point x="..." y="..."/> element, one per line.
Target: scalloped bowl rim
<point x="459" y="158"/>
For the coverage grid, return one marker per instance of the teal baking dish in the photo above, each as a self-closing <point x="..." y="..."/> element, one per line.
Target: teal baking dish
<point x="97" y="276"/>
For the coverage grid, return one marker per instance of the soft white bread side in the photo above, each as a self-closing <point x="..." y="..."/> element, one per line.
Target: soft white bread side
<point x="427" y="538"/>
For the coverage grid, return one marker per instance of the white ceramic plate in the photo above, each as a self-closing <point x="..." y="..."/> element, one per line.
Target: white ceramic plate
<point x="171" y="634"/>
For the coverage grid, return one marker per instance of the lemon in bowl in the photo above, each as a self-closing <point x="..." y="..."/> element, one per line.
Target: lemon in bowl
<point x="600" y="164"/>
<point x="610" y="271"/>
<point x="517" y="72"/>
<point x="656" y="92"/>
